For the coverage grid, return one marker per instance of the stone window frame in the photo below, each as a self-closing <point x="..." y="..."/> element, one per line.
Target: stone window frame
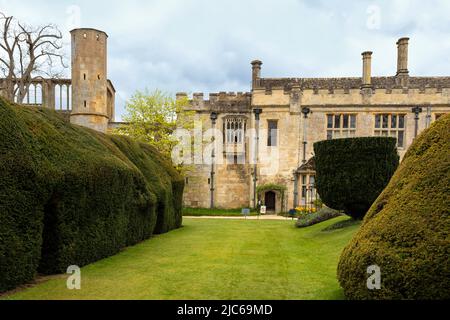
<point x="383" y="129"/>
<point x="341" y="130"/>
<point x="234" y="129"/>
<point x="270" y="142"/>
<point x="308" y="190"/>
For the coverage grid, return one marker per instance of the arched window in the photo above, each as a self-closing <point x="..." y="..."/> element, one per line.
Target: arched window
<point x="58" y="97"/>
<point x="69" y="97"/>
<point x="63" y="97"/>
<point x="28" y="99"/>
<point x="38" y="94"/>
<point x="235" y="127"/>
<point x="16" y="94"/>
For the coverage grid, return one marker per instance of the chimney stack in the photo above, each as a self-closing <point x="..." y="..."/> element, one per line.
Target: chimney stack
<point x="402" y="64"/>
<point x="256" y="72"/>
<point x="367" y="69"/>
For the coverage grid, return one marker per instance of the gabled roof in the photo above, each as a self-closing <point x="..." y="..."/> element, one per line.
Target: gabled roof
<point x="310" y="165"/>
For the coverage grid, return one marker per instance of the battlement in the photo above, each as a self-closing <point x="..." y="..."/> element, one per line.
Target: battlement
<point x="399" y="89"/>
<point x="219" y="102"/>
<point x="346" y="84"/>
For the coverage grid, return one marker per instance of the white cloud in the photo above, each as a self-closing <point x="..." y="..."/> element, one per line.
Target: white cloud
<point x="201" y="45"/>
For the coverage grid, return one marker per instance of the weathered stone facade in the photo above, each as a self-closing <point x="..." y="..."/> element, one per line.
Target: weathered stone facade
<point x="302" y="111"/>
<point x="92" y="98"/>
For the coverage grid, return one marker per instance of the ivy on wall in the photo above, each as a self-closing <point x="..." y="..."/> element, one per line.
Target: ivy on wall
<point x="273" y="187"/>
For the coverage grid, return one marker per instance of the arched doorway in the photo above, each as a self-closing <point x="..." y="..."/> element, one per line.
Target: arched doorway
<point x="270" y="201"/>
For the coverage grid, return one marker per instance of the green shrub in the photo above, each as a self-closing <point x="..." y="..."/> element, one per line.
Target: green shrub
<point x="21" y="209"/>
<point x="351" y="173"/>
<point x="406" y="231"/>
<point x="322" y="215"/>
<point x="72" y="196"/>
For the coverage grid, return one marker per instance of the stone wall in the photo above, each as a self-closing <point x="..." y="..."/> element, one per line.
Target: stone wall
<point x="284" y="99"/>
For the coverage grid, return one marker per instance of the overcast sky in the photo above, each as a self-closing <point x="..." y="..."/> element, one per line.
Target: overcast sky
<point x="207" y="46"/>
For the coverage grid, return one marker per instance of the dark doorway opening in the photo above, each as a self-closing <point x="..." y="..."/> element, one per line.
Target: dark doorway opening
<point x="50" y="237"/>
<point x="270" y="201"/>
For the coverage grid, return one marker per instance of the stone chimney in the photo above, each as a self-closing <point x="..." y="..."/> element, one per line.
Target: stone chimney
<point x="367" y="70"/>
<point x="402" y="64"/>
<point x="256" y="72"/>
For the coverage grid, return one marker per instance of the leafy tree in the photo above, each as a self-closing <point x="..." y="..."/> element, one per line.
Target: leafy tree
<point x="152" y="117"/>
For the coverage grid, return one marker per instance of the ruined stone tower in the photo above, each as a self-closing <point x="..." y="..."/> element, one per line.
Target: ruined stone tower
<point x="90" y="105"/>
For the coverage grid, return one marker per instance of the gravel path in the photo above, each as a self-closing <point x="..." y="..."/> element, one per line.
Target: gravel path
<point x="265" y="217"/>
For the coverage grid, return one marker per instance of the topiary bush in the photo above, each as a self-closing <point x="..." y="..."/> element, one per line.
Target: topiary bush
<point x="72" y="196"/>
<point x="351" y="173"/>
<point x="407" y="230"/>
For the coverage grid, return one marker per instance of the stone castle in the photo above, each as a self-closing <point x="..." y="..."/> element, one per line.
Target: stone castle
<point x="88" y="98"/>
<point x="265" y="149"/>
<point x="288" y="115"/>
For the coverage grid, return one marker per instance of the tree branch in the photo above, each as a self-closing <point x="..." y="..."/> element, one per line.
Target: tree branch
<point x="29" y="52"/>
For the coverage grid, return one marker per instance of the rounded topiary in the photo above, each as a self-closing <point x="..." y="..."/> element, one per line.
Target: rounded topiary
<point x="351" y="173"/>
<point x="406" y="231"/>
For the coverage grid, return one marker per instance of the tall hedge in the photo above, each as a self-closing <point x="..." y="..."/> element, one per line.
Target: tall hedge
<point x="351" y="173"/>
<point x="407" y="230"/>
<point x="163" y="181"/>
<point x="72" y="196"/>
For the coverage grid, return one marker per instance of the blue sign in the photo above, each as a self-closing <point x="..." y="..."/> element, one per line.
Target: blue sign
<point x="246" y="212"/>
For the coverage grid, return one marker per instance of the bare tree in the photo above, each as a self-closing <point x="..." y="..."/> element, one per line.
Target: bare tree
<point x="28" y="54"/>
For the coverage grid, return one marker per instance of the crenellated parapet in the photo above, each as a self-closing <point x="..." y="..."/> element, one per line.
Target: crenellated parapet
<point x="331" y="85"/>
<point x="400" y="89"/>
<point x="222" y="102"/>
<point x="382" y="91"/>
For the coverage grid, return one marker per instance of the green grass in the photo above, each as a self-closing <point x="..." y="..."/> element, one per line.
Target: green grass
<point x="342" y="224"/>
<point x="215" y="259"/>
<point x="203" y="212"/>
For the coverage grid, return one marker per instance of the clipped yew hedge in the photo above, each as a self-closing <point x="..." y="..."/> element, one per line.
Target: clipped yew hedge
<point x="168" y="186"/>
<point x="72" y="196"/>
<point x="407" y="230"/>
<point x="351" y="173"/>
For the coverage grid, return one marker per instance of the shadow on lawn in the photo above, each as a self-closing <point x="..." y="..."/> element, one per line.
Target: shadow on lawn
<point x="342" y="225"/>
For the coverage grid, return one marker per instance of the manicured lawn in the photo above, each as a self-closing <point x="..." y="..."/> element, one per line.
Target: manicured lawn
<point x="215" y="259"/>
